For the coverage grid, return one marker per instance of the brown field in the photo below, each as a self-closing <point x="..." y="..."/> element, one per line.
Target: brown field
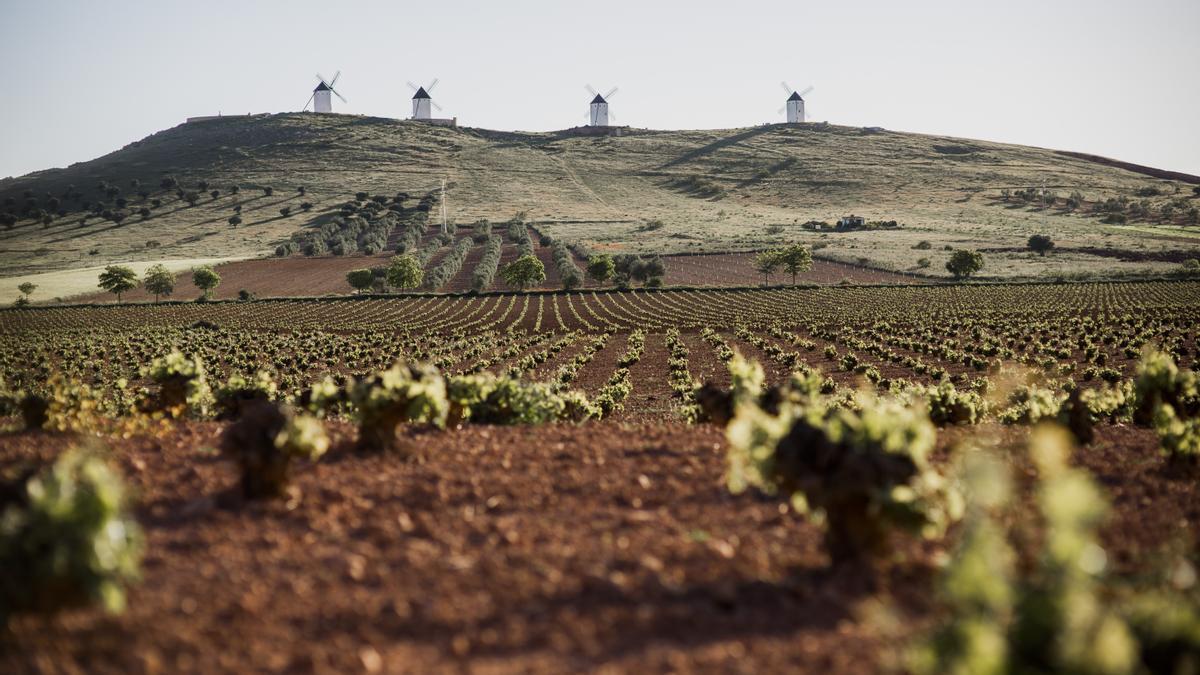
<point x="613" y="547"/>
<point x="609" y="546"/>
<point x="326" y="275"/>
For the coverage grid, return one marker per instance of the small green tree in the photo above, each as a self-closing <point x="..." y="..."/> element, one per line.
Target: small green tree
<point x="964" y="263"/>
<point x="600" y="267"/>
<point x="795" y="259"/>
<point x="524" y="272"/>
<point x="1041" y="243"/>
<point x="27" y="289"/>
<point x="235" y="220"/>
<point x="404" y="272"/>
<point x="118" y="279"/>
<point x="191" y="198"/>
<point x="767" y="263"/>
<point x="360" y="280"/>
<point x="206" y="279"/>
<point x="159" y="281"/>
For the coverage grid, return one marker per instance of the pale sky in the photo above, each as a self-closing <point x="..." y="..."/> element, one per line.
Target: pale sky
<point x="1114" y="78"/>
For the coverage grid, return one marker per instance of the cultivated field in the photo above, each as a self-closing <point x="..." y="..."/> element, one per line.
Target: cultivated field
<point x="520" y="537"/>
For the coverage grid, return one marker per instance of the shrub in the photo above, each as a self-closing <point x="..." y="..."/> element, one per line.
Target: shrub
<point x="948" y="406"/>
<point x="923" y="245"/>
<point x="265" y="440"/>
<point x="1053" y="616"/>
<point x="66" y="539"/>
<point x="183" y="385"/>
<point x="240" y="392"/>
<point x="963" y="263"/>
<point x="863" y="471"/>
<point x="1041" y="244"/>
<point x="403" y="393"/>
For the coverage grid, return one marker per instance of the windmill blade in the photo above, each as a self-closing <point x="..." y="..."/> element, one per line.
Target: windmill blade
<point x="806" y="91"/>
<point x="310" y="99"/>
<point x="780" y="111"/>
<point x="429" y="89"/>
<point x="612" y="116"/>
<point x="335" y="93"/>
<point x="334" y="80"/>
<point x="412" y="86"/>
<point x="610" y="93"/>
<point x="323" y="80"/>
<point x="435" y="105"/>
<point x="590" y="90"/>
<point x="786" y="87"/>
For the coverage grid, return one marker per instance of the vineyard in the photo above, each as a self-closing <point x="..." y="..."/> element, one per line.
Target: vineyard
<point x="849" y="478"/>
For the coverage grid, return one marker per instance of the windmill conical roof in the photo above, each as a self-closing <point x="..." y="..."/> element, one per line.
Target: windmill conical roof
<point x="794" y="97"/>
<point x="599" y="99"/>
<point x="421" y="93"/>
<point x="322" y="87"/>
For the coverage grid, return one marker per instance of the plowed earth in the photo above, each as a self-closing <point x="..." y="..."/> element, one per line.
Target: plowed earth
<point x="609" y="547"/>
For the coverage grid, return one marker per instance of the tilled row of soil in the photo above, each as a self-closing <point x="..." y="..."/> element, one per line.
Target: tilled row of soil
<point x="608" y="547"/>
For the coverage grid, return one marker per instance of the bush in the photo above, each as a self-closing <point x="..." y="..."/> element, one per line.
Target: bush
<point x="1040" y="243"/>
<point x="949" y="406"/>
<point x="183" y="385"/>
<point x="239" y="392"/>
<point x="265" y="440"/>
<point x="923" y="245"/>
<point x="403" y="393"/>
<point x="66" y="539"/>
<point x="865" y="471"/>
<point x="963" y="264"/>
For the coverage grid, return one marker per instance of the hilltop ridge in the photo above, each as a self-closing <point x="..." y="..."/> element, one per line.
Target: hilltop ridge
<point x="644" y="191"/>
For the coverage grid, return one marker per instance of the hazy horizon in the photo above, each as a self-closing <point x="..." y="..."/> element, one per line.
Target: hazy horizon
<point x="89" y="79"/>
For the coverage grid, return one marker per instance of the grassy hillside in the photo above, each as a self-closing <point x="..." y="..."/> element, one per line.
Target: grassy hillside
<point x="718" y="190"/>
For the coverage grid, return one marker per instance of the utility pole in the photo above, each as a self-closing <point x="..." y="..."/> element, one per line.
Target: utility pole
<point x="445" y="229"/>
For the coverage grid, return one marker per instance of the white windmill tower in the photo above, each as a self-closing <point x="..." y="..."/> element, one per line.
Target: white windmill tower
<point x="422" y="101"/>
<point x="795" y="103"/>
<point x="598" y="109"/>
<point x="320" y="96"/>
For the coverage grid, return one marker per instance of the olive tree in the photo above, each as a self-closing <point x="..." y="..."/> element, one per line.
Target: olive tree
<point x="600" y="267"/>
<point x="795" y="259"/>
<point x="1041" y="243"/>
<point x="964" y="263"/>
<point x="767" y="263"/>
<point x="360" y="280"/>
<point x="524" y="272"/>
<point x="206" y="279"/>
<point x="404" y="272"/>
<point x="118" y="279"/>
<point x="159" y="281"/>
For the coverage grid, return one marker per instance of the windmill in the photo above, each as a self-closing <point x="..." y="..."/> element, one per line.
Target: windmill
<point x="795" y="103"/>
<point x="598" y="109"/>
<point x="320" y="95"/>
<point x="421" y="100"/>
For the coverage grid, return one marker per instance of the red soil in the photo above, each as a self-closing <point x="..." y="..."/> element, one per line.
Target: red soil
<point x="326" y="275"/>
<point x="610" y="546"/>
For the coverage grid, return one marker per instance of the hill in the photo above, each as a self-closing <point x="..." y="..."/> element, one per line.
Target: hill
<point x="644" y="191"/>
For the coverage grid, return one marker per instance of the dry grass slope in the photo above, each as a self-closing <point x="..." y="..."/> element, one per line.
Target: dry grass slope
<point x="717" y="190"/>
